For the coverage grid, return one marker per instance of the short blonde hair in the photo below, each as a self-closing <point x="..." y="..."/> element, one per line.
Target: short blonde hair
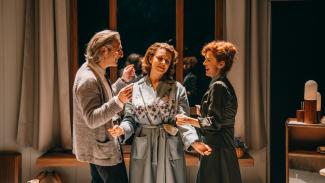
<point x="100" y="39"/>
<point x="222" y="51"/>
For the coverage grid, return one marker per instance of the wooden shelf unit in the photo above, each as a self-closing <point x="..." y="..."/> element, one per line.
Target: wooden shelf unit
<point x="10" y="169"/>
<point x="302" y="141"/>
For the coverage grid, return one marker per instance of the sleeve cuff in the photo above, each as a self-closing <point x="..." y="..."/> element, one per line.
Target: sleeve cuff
<point x="128" y="130"/>
<point x="190" y="148"/>
<point x="189" y="137"/>
<point x="119" y="102"/>
<point x="124" y="82"/>
<point x="204" y="122"/>
<point x="188" y="145"/>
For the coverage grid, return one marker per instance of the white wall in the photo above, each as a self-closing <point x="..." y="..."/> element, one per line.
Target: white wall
<point x="11" y="45"/>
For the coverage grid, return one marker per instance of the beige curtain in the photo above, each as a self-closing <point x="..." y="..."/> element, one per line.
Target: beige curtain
<point x="247" y="25"/>
<point x="44" y="116"/>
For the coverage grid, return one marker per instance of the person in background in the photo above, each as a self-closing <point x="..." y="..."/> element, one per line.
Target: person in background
<point x="190" y="80"/>
<point x="135" y="60"/>
<point x="144" y="71"/>
<point x="94" y="106"/>
<point x="218" y="111"/>
<point x="157" y="154"/>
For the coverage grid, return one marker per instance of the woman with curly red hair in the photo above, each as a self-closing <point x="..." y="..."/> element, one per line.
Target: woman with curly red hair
<point x="218" y="111"/>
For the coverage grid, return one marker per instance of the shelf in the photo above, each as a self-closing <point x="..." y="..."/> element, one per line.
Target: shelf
<point x="59" y="159"/>
<point x="305" y="125"/>
<point x="246" y="161"/>
<point x="67" y="159"/>
<point x="10" y="170"/>
<point x="306" y="154"/>
<point x="306" y="160"/>
<point x="302" y="141"/>
<point x="305" y="136"/>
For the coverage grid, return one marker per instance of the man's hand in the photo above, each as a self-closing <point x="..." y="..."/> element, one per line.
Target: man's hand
<point x="181" y="119"/>
<point x="116" y="131"/>
<point x="201" y="148"/>
<point x="128" y="73"/>
<point x="125" y="94"/>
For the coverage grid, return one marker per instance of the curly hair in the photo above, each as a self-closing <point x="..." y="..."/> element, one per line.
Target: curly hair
<point x="100" y="39"/>
<point x="222" y="51"/>
<point x="151" y="51"/>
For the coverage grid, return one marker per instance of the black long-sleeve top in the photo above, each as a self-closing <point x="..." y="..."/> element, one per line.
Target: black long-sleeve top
<point x="218" y="111"/>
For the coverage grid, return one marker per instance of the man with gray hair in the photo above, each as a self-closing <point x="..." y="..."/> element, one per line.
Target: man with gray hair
<point x="94" y="107"/>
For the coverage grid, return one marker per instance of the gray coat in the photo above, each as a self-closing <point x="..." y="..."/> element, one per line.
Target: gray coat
<point x="156" y="156"/>
<point x="93" y="110"/>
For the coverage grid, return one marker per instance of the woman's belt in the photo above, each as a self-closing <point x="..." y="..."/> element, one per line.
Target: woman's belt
<point x="168" y="128"/>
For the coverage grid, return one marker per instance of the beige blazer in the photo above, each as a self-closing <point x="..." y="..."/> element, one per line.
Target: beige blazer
<point x="93" y="110"/>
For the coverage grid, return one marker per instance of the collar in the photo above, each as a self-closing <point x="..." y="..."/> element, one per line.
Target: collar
<point x="216" y="78"/>
<point x="97" y="68"/>
<point x="147" y="80"/>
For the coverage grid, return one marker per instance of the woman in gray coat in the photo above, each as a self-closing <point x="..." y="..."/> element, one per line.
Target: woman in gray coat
<point x="158" y="148"/>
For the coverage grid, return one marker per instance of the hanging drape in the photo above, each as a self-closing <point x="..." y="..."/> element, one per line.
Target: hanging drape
<point x="44" y="114"/>
<point x="247" y="26"/>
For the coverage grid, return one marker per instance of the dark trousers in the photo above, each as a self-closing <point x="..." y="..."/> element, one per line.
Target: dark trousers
<point x="109" y="174"/>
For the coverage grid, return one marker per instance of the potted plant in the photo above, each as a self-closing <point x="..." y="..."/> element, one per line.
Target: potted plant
<point x="241" y="147"/>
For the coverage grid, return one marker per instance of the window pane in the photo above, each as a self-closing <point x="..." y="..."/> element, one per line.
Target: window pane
<point x="198" y="30"/>
<point x="92" y="18"/>
<point x="148" y="21"/>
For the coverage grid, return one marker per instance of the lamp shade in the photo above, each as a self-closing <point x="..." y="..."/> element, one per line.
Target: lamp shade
<point x="310" y="90"/>
<point x="319" y="102"/>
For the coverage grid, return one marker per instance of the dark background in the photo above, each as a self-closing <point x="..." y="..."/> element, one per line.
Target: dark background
<point x="297" y="48"/>
<point x="297" y="55"/>
<point x="92" y="18"/>
<point x="143" y="22"/>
